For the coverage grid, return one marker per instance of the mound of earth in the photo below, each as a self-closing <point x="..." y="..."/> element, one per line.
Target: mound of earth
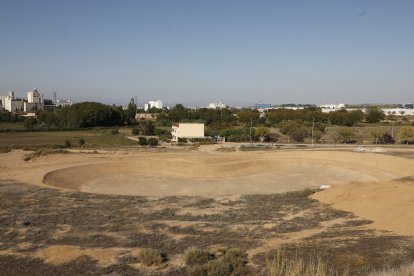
<point x="196" y="174"/>
<point x="389" y="204"/>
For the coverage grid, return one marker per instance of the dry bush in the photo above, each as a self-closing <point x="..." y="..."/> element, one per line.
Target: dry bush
<point x="218" y="268"/>
<point x="280" y="265"/>
<point x="197" y="256"/>
<point x="5" y="149"/>
<point x="231" y="261"/>
<point x="149" y="256"/>
<point x="236" y="258"/>
<point x="404" y="270"/>
<point x="43" y="152"/>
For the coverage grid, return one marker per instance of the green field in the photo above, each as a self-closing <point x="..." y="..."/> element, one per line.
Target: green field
<point x="11" y="126"/>
<point x="102" y="137"/>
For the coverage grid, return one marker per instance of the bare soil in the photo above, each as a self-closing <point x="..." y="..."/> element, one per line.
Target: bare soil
<point x="55" y="228"/>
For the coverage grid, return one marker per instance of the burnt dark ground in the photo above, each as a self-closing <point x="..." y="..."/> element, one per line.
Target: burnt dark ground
<point x="32" y="215"/>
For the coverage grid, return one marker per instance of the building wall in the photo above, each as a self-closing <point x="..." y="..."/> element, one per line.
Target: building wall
<point x="12" y="105"/>
<point x="34" y="97"/>
<point x="32" y="107"/>
<point x="187" y="130"/>
<point x="398" y="111"/>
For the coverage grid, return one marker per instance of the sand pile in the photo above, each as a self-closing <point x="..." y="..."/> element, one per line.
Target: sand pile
<point x="389" y="204"/>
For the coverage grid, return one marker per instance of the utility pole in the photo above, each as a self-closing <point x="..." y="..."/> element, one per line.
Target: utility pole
<point x="251" y="126"/>
<point x="313" y="125"/>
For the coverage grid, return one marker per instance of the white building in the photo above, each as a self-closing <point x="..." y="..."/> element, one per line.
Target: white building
<point x="151" y="104"/>
<point x="10" y="103"/>
<point x="187" y="130"/>
<point x="34" y="97"/>
<point x="63" y="103"/>
<point x="216" y="105"/>
<point x="398" y="111"/>
<point x="34" y="101"/>
<point x="332" y="106"/>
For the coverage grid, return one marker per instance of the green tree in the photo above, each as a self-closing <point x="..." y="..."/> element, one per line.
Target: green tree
<point x="90" y="114"/>
<point x="131" y="111"/>
<point x="374" y="115"/>
<point x="30" y="123"/>
<point x="299" y="134"/>
<point x="262" y="132"/>
<point x="146" y="128"/>
<point x="247" y="115"/>
<point x="48" y="117"/>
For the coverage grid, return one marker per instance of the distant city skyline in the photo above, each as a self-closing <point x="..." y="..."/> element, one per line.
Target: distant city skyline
<point x="197" y="52"/>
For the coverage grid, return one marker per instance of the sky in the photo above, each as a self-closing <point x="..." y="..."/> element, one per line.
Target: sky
<point x="195" y="52"/>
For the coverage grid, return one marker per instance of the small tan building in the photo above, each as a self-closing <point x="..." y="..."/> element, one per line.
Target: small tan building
<point x="187" y="130"/>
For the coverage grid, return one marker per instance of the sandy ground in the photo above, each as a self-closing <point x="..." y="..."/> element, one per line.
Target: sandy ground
<point x="199" y="173"/>
<point x="390" y="205"/>
<point x="374" y="187"/>
<point x="362" y="182"/>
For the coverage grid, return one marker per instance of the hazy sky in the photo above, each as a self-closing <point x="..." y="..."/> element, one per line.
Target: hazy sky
<point x="240" y="52"/>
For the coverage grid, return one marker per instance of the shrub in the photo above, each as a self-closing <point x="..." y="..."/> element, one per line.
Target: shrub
<point x="299" y="134"/>
<point x="406" y="134"/>
<point x="182" y="140"/>
<point x="114" y="131"/>
<point x="236" y="259"/>
<point x="198" y="270"/>
<point x="81" y="142"/>
<point x="164" y="139"/>
<point x="30" y="123"/>
<point x="135" y="131"/>
<point x="142" y="141"/>
<point x="153" y="142"/>
<point x="405" y="269"/>
<point x="67" y="144"/>
<point x="160" y="132"/>
<point x="346" y="134"/>
<point x="5" y="149"/>
<point x="42" y="152"/>
<point x="149" y="256"/>
<point x="218" y="268"/>
<point x="307" y="192"/>
<point x="281" y="265"/>
<point x="196" y="256"/>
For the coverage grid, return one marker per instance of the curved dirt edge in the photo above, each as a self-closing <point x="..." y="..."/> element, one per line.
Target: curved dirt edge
<point x="340" y="167"/>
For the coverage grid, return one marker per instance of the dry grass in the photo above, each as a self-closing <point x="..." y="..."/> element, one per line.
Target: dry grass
<point x="403" y="270"/>
<point x="197" y="256"/>
<point x="43" y="152"/>
<point x="149" y="256"/>
<point x="280" y="265"/>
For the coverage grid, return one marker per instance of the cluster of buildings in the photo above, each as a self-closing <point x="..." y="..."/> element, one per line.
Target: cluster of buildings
<point x="33" y="103"/>
<point x="402" y="110"/>
<point x="153" y="104"/>
<point x="217" y="105"/>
